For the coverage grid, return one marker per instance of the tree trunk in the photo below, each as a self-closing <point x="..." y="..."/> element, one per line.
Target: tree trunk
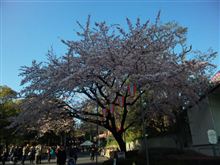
<point x="61" y="139"/>
<point x="64" y="140"/>
<point x="118" y="137"/>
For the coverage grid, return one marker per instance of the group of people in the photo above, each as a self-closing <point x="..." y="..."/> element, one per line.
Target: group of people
<point x="34" y="154"/>
<point x="61" y="154"/>
<point x="15" y="153"/>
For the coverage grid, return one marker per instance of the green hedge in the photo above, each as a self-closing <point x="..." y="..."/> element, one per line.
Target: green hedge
<point x="159" y="156"/>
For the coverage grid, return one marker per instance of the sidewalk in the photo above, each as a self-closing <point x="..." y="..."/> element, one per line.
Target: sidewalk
<point x="83" y="159"/>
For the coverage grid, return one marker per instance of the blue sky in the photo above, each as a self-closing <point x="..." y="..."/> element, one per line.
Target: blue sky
<point x="30" y="28"/>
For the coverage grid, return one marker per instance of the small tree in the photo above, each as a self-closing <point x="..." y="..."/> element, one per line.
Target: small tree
<point x="107" y="59"/>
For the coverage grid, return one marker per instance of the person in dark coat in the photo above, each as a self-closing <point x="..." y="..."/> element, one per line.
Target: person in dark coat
<point x="49" y="154"/>
<point x="31" y="154"/>
<point x="61" y="156"/>
<point x="25" y="150"/>
<point x="15" y="155"/>
<point x="73" y="153"/>
<point x="92" y="153"/>
<point x="4" y="156"/>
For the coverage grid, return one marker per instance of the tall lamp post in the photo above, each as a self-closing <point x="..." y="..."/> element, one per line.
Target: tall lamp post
<point x="144" y="128"/>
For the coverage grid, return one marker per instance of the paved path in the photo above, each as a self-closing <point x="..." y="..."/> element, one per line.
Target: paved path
<point x="83" y="159"/>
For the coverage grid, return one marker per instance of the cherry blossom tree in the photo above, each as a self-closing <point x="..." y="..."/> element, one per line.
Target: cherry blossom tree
<point x="91" y="80"/>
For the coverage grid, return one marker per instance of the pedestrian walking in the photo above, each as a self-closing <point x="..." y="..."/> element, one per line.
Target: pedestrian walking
<point x="61" y="156"/>
<point x="73" y="153"/>
<point x="31" y="154"/>
<point x="25" y="150"/>
<point x="92" y="153"/>
<point x="15" y="155"/>
<point x="4" y="156"/>
<point x="11" y="153"/>
<point x="38" y="154"/>
<point x="49" y="154"/>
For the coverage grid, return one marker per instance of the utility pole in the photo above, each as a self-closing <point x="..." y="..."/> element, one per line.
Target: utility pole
<point x="97" y="129"/>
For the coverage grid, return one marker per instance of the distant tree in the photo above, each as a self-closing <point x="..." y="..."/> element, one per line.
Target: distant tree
<point x="101" y="65"/>
<point x="8" y="109"/>
<point x="89" y="131"/>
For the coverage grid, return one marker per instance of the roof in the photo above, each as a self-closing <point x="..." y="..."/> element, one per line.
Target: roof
<point x="86" y="143"/>
<point x="215" y="89"/>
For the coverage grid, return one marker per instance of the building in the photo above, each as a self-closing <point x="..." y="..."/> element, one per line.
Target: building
<point x="203" y="117"/>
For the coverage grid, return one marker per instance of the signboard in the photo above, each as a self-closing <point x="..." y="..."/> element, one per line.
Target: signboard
<point x="121" y="155"/>
<point x="212" y="136"/>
